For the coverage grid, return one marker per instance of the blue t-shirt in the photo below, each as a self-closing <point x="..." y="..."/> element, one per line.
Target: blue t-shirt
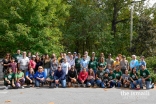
<point x="31" y="76"/>
<point x="40" y="74"/>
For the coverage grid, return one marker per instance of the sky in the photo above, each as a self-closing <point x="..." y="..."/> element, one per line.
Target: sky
<point x="150" y="2"/>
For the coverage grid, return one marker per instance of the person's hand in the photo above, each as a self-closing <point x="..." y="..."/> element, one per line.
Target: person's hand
<point x="8" y="82"/>
<point x="134" y="82"/>
<point x="30" y="81"/>
<point x="143" y="79"/>
<point x="56" y="81"/>
<point x="82" y="81"/>
<point x="42" y="79"/>
<point x="13" y="85"/>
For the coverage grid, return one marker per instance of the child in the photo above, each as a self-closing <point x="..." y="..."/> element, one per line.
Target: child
<point x="9" y="78"/>
<point x="13" y="65"/>
<point x="30" y="77"/>
<point x="126" y="81"/>
<point x="106" y="80"/>
<point x="19" y="78"/>
<point x="50" y="79"/>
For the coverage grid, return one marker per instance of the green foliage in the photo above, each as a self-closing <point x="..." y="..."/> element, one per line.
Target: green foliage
<point x="32" y="25"/>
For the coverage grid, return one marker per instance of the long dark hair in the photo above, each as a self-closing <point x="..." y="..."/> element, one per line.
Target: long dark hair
<point x="91" y="73"/>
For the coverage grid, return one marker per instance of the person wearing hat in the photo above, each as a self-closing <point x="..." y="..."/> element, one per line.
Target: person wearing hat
<point x="68" y="56"/>
<point x="32" y="63"/>
<point x="106" y="80"/>
<point x="95" y="58"/>
<point x="109" y="60"/>
<point x="75" y="56"/>
<point x="99" y="77"/>
<point x="124" y="64"/>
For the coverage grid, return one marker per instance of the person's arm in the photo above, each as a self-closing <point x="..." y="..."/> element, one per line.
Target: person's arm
<point x="79" y="77"/>
<point x="27" y="76"/>
<point x="63" y="76"/>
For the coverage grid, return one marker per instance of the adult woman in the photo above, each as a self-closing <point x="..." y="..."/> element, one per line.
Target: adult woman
<point x="72" y="76"/>
<point x="126" y="79"/>
<point x="54" y="64"/>
<point x="19" y="78"/>
<point x="38" y="63"/>
<point x="13" y="65"/>
<point x="134" y="78"/>
<point x="65" y="66"/>
<point x="40" y="77"/>
<point x="5" y="62"/>
<point x="46" y="65"/>
<point x="30" y="77"/>
<point x="91" y="78"/>
<point x="32" y="63"/>
<point x="118" y="75"/>
<point x="102" y="63"/>
<point x="9" y="78"/>
<point x="93" y="64"/>
<point x="82" y="78"/>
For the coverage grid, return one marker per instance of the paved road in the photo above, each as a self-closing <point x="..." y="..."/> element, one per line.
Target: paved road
<point x="76" y="96"/>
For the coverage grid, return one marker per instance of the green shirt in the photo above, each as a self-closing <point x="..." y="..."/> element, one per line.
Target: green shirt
<point x="93" y="65"/>
<point x="19" y="75"/>
<point x="100" y="74"/>
<point x="144" y="74"/>
<point x="9" y="76"/>
<point x="118" y="74"/>
<point x="111" y="76"/>
<point x="133" y="76"/>
<point x="17" y="57"/>
<point x="102" y="64"/>
<point x="77" y="62"/>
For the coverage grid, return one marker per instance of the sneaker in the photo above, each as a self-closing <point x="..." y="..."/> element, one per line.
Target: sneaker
<point x="83" y="85"/>
<point x="152" y="85"/>
<point x="6" y="87"/>
<point x="9" y="86"/>
<point x="22" y="86"/>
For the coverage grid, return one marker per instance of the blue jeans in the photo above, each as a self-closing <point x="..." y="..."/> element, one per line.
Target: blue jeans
<point x="90" y="82"/>
<point x="47" y="72"/>
<point x="147" y="83"/>
<point x="37" y="82"/>
<point x="63" y="82"/>
<point x="112" y="83"/>
<point x="100" y="83"/>
<point x="118" y="84"/>
<point x="134" y="85"/>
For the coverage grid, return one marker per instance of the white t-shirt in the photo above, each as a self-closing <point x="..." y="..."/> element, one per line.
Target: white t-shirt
<point x="24" y="61"/>
<point x="72" y="62"/>
<point x="65" y="67"/>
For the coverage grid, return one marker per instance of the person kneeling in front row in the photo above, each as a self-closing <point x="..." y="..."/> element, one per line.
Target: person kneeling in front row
<point x="40" y="77"/>
<point x="72" y="76"/>
<point x="60" y="77"/>
<point x="82" y="78"/>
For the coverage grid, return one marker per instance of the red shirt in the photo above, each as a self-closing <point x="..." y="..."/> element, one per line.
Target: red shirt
<point x="83" y="76"/>
<point x="32" y="64"/>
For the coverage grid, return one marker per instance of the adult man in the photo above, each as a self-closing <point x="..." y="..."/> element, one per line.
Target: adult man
<point x="124" y="64"/>
<point x="60" y="77"/>
<point x="134" y="62"/>
<point x="77" y="63"/>
<point x="109" y="60"/>
<point x="23" y="63"/>
<point x="84" y="63"/>
<point x="87" y="57"/>
<point x="17" y="56"/>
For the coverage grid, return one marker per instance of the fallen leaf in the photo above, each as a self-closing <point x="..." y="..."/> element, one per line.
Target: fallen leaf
<point x="7" y="101"/>
<point x="51" y="103"/>
<point x="105" y="89"/>
<point x="21" y="92"/>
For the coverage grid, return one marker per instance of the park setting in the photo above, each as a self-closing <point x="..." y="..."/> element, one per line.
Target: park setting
<point x="77" y="51"/>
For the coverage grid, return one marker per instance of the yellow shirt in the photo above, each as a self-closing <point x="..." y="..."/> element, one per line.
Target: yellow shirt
<point x="116" y="63"/>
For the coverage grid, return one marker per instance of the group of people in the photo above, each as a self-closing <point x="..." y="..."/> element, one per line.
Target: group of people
<point x="71" y="69"/>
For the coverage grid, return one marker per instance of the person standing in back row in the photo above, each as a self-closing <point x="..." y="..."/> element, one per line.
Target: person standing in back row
<point x="124" y="64"/>
<point x="109" y="60"/>
<point x="77" y="63"/>
<point x="23" y="63"/>
<point x="46" y="65"/>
